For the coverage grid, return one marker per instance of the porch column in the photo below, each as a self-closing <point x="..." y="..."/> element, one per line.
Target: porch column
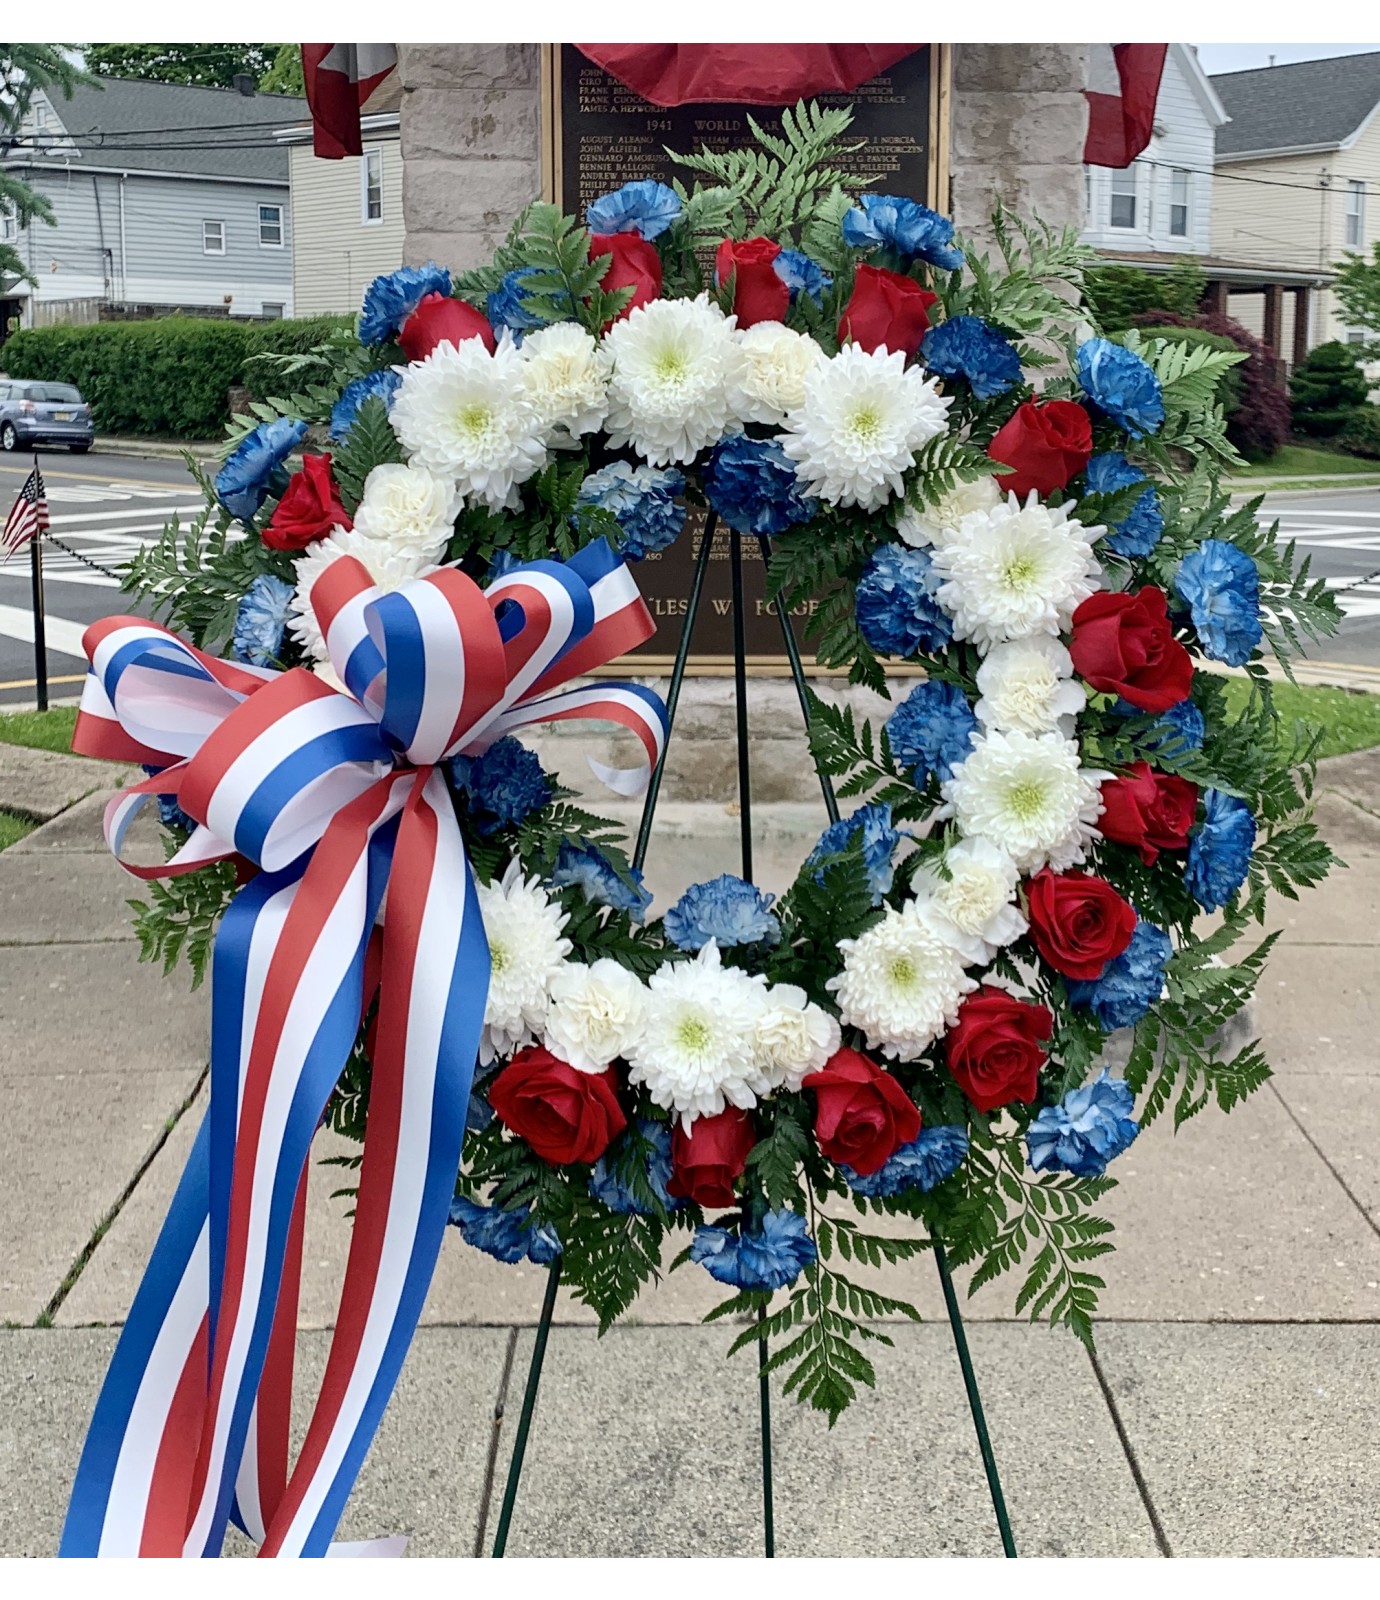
<point x="1274" y="317"/>
<point x="1215" y="298"/>
<point x="1302" y="315"/>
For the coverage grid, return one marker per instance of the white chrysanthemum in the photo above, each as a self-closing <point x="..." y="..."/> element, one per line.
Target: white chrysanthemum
<point x="972" y="909"/>
<point x="464" y="415"/>
<point x="596" y="1013"/>
<point x="1027" y="686"/>
<point x="390" y="566"/>
<point x="937" y="524"/>
<point x="526" y="951"/>
<point x="863" y="418"/>
<point x="565" y="380"/>
<point x="1015" y="571"/>
<point x="673" y="368"/>
<point x="405" y="506"/>
<point x="698" y="1052"/>
<point x="794" y="1036"/>
<point x="901" y="984"/>
<point x="329" y="676"/>
<point x="776" y="362"/>
<point x="1027" y="794"/>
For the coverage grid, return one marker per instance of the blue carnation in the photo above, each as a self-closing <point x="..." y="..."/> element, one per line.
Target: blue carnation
<point x="926" y="1161"/>
<point x="590" y="871"/>
<point x="879" y="841"/>
<point x="727" y="910"/>
<point x="932" y="730"/>
<point x="504" y="307"/>
<point x="643" y="206"/>
<point x="1222" y="587"/>
<point x="390" y="300"/>
<point x="772" y="1257"/>
<point x="1132" y="983"/>
<point x="1121" y="385"/>
<point x="904" y="226"/>
<point x="170" y="814"/>
<point x="610" y="1190"/>
<point x="1219" y="850"/>
<point x="1085" y="1130"/>
<point x="644" y="500"/>
<point x="505" y="1235"/>
<point x="967" y="347"/>
<point x="382" y="385"/>
<point x="802" y="275"/>
<point x="752" y="484"/>
<point x="1141" y="529"/>
<point x="250" y="470"/>
<point x="505" y="784"/>
<point x="260" y="620"/>
<point x="896" y="606"/>
<point x="1173" y="733"/>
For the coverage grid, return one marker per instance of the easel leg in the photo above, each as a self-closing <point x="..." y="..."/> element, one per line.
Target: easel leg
<point x="529" y="1405"/>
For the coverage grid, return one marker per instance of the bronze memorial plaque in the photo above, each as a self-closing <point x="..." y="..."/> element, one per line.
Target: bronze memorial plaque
<point x="598" y="135"/>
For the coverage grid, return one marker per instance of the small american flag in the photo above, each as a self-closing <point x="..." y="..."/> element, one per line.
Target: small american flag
<point x="28" y="516"/>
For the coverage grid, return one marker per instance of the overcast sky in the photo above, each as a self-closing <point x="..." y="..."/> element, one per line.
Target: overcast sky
<point x="1237" y="57"/>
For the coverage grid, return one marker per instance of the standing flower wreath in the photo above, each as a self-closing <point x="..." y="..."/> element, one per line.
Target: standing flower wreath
<point x="961" y="476"/>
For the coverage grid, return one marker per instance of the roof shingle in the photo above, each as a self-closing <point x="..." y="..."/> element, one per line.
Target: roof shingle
<point x="1303" y="104"/>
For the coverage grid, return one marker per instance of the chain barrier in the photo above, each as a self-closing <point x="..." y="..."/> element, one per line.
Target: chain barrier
<point x="85" y="560"/>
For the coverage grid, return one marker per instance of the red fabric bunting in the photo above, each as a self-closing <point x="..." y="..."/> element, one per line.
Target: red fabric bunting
<point x="1120" y="125"/>
<point x="752" y="74"/>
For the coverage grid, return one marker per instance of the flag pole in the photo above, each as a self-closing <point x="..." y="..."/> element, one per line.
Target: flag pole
<point x="40" y="634"/>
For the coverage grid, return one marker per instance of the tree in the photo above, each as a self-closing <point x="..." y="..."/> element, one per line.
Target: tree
<point x="1327" y="388"/>
<point x="207" y="66"/>
<point x="285" y="75"/>
<point x="1358" y="293"/>
<point x="24" y="70"/>
<point x="1117" y="295"/>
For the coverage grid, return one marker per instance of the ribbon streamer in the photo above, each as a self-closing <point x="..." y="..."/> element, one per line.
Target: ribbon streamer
<point x="337" y="799"/>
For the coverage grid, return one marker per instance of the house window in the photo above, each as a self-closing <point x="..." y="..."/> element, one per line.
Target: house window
<point x="1123" y="208"/>
<point x="271" y="227"/>
<point x="371" y="186"/>
<point x="9" y="228"/>
<point x="213" y="238"/>
<point x="1355" y="213"/>
<point x="273" y="308"/>
<point x="1178" y="203"/>
<point x="1355" y="335"/>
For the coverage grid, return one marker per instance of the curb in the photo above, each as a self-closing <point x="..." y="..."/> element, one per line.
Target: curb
<point x="167" y="449"/>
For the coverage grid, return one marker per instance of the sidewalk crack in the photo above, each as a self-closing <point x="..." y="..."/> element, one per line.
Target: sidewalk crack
<point x="1321" y="1155"/>
<point x="1143" y="1488"/>
<point x="491" y="1466"/>
<point x="45" y="1317"/>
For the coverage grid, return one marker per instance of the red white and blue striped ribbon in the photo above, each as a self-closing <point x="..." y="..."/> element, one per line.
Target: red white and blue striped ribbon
<point x="337" y="799"/>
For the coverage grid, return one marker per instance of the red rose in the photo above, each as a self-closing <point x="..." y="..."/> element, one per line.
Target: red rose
<point x="309" y="509"/>
<point x="1122" y="644"/>
<point x="758" y="294"/>
<point x="1078" y="922"/>
<point x="862" y="1115"/>
<point x="886" y="308"/>
<point x="635" y="264"/>
<point x="994" y="1049"/>
<point x="1150" y="811"/>
<point x="709" y="1160"/>
<point x="563" y="1114"/>
<point x="1047" y="444"/>
<point x="442" y="319"/>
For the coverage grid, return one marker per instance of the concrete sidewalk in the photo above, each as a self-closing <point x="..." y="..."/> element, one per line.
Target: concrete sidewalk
<point x="1231" y="1408"/>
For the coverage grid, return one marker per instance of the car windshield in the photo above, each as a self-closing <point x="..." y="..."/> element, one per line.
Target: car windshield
<point x="63" y="393"/>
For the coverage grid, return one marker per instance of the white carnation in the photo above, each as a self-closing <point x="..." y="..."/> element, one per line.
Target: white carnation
<point x="936" y="524"/>
<point x="526" y="950"/>
<point x="698" y="1053"/>
<point x="972" y="908"/>
<point x="1015" y="571"/>
<point x="673" y="369"/>
<point x="404" y="505"/>
<point x="901" y="984"/>
<point x="1027" y="686"/>
<point x="464" y="415"/>
<point x="390" y="566"/>
<point x="565" y="381"/>
<point x="595" y="1013"/>
<point x="776" y="362"/>
<point x="864" y="416"/>
<point x="1028" y="795"/>
<point x="794" y="1036"/>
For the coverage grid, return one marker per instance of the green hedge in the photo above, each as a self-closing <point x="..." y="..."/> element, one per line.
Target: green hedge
<point x="169" y="376"/>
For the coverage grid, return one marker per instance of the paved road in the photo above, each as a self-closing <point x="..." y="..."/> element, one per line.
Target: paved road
<point x="104" y="507"/>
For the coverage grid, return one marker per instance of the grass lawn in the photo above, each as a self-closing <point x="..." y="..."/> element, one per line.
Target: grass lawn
<point x="39" y="730"/>
<point x="13" y="829"/>
<point x="1350" y="721"/>
<point x="1296" y="460"/>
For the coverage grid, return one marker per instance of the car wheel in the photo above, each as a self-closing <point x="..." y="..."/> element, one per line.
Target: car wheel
<point x="9" y="439"/>
<point x="80" y="449"/>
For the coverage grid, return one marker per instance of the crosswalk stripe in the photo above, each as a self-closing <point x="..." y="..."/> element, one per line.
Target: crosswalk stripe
<point x="60" y="634"/>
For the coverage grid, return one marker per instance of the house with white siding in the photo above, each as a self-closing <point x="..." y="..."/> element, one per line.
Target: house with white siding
<point x="166" y="198"/>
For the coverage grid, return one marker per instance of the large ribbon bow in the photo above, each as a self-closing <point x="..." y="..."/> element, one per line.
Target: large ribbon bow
<point x="337" y="798"/>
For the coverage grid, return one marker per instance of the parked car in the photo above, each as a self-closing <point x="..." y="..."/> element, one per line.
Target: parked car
<point x="44" y="413"/>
